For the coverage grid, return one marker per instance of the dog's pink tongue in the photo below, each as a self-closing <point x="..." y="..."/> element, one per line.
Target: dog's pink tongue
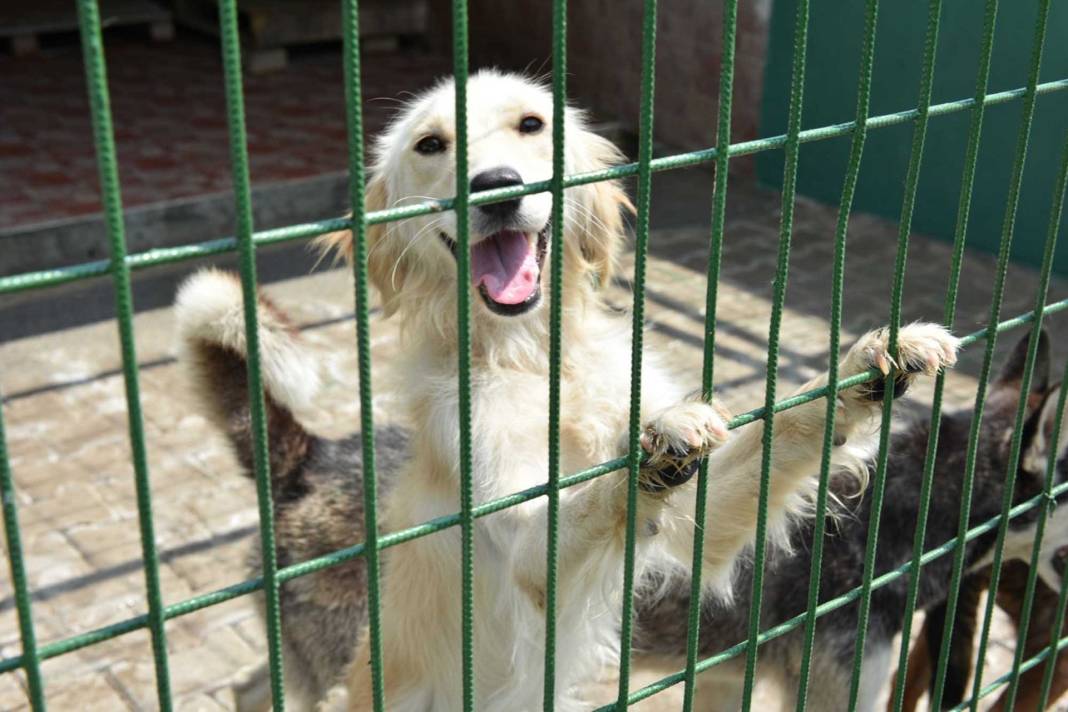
<point x="505" y="264"/>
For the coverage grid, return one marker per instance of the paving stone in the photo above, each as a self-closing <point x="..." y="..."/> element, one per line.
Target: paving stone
<point x="13" y="692"/>
<point x="51" y="174"/>
<point x="88" y="692"/>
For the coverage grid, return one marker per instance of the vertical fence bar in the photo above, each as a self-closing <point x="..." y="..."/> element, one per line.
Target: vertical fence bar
<point x="107" y="164"/>
<point x="789" y="186"/>
<point x="23" y="604"/>
<point x="715" y="252"/>
<point x="960" y="233"/>
<point x="645" y="176"/>
<point x="912" y="178"/>
<point x="235" y="110"/>
<point x="1062" y="603"/>
<point x="556" y="310"/>
<point x="1056" y="210"/>
<point x="350" y="18"/>
<point x="1021" y="413"/>
<point x="463" y="314"/>
<point x="845" y="205"/>
<point x="1012" y="201"/>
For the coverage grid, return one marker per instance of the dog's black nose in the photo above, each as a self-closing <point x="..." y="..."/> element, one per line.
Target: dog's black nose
<point x="500" y="177"/>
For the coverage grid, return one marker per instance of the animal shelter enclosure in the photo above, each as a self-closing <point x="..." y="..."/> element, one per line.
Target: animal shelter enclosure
<point x="247" y="239"/>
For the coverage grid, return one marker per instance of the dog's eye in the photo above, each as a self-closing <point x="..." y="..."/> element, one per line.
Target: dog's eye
<point x="429" y="145"/>
<point x="530" y="125"/>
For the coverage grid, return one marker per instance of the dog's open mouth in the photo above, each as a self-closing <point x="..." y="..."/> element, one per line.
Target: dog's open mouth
<point x="506" y="269"/>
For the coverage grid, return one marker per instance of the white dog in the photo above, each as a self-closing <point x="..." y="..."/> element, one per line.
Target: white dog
<point x="412" y="265"/>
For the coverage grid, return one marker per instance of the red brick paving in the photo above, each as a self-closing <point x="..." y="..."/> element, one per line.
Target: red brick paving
<point x="170" y="121"/>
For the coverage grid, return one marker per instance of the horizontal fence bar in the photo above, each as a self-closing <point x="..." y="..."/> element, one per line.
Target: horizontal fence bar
<point x="168" y="255"/>
<point x="839" y="602"/>
<point x="1000" y="682"/>
<point x="222" y="595"/>
<point x="437" y="524"/>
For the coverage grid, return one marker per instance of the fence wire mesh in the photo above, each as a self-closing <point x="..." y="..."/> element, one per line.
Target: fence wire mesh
<point x="246" y="240"/>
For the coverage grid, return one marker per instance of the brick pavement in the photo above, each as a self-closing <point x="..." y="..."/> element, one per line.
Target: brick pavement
<point x="65" y="417"/>
<point x="170" y="121"/>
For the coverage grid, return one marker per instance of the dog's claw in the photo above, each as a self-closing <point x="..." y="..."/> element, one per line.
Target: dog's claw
<point x="882" y="360"/>
<point x="645" y="440"/>
<point x="677" y="440"/>
<point x="922" y="348"/>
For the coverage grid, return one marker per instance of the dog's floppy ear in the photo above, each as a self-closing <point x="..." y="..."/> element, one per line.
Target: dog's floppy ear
<point x="380" y="258"/>
<point x="599" y="217"/>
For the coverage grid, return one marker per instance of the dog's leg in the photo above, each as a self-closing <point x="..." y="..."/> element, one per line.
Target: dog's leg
<point x="592" y="523"/>
<point x="874" y="673"/>
<point x="252" y="689"/>
<point x="734" y="468"/>
<point x="719" y="690"/>
<point x="917" y="674"/>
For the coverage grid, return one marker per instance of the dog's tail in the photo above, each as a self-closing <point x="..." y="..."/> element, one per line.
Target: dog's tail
<point x="211" y="328"/>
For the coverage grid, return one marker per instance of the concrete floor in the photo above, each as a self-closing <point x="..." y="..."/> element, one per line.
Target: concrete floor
<point x="65" y="416"/>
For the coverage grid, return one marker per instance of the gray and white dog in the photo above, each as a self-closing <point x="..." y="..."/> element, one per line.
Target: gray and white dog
<point x="662" y="621"/>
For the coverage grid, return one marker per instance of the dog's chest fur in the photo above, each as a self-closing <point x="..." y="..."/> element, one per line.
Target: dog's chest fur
<point x="509" y="410"/>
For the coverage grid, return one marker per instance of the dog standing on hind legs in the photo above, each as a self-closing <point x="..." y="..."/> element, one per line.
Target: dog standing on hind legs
<point x="412" y="266"/>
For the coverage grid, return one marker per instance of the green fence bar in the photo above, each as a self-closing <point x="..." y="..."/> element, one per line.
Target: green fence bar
<point x="1036" y="327"/>
<point x="715" y="253"/>
<point x="235" y="110"/>
<point x="168" y="255"/>
<point x="350" y="19"/>
<point x="792" y="148"/>
<point x="839" y="602"/>
<point x="463" y="314"/>
<point x="1056" y="210"/>
<point x="1012" y="200"/>
<point x="845" y="204"/>
<point x="107" y="164"/>
<point x="641" y="246"/>
<point x="556" y="310"/>
<point x="120" y="265"/>
<point x="1058" y="625"/>
<point x="994" y="686"/>
<point x="228" y="593"/>
<point x="31" y="661"/>
<point x="960" y="232"/>
<point x="878" y="487"/>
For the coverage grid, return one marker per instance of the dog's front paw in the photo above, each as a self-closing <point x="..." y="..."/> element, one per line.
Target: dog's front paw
<point x="675" y="441"/>
<point x="921" y="348"/>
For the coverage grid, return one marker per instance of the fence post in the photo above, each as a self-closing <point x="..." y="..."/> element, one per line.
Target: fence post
<point x="641" y="246"/>
<point x="107" y="164"/>
<point x="235" y="106"/>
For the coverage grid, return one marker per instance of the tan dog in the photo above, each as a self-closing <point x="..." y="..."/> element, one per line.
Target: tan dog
<point x="412" y="265"/>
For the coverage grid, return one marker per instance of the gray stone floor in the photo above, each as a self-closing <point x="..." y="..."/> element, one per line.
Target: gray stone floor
<point x="65" y="415"/>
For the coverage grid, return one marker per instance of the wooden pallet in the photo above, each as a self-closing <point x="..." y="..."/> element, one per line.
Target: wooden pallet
<point x="270" y="26"/>
<point x="22" y="22"/>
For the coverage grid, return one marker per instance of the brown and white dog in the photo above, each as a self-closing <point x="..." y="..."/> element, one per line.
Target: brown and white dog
<point x="412" y="265"/>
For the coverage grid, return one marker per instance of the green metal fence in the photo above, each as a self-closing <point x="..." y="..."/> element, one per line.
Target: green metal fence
<point x="247" y="240"/>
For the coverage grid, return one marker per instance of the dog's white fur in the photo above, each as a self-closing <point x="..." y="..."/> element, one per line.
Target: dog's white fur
<point x="208" y="307"/>
<point x="415" y="274"/>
